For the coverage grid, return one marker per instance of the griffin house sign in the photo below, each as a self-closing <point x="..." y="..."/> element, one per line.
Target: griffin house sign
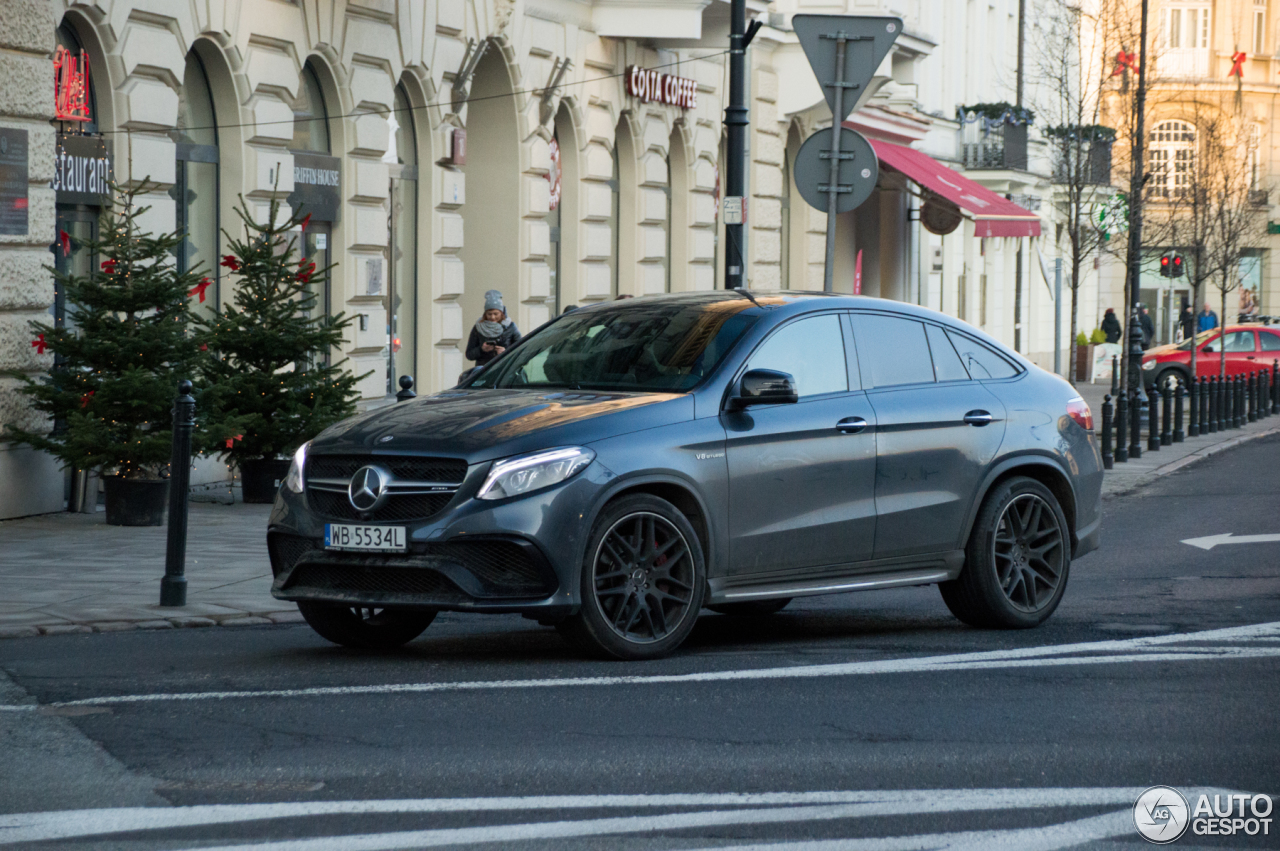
<point x="657" y="87"/>
<point x="317" y="186"/>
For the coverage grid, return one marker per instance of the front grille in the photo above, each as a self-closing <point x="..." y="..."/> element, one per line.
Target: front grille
<point x="408" y="467"/>
<point x="404" y="507"/>
<point x="497" y="569"/>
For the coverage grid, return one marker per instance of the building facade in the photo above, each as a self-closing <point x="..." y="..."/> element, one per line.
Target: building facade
<point x="559" y="151"/>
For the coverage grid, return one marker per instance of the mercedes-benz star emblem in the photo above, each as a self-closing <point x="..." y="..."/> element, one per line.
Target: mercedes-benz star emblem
<point x="368" y="488"/>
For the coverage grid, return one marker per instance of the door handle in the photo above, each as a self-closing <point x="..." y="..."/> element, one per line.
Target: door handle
<point x="851" y="425"/>
<point x="978" y="418"/>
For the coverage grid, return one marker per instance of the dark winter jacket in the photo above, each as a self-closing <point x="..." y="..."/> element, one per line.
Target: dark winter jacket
<point x="508" y="338"/>
<point x="1188" y="322"/>
<point x="1111" y="327"/>
<point x="1148" y="329"/>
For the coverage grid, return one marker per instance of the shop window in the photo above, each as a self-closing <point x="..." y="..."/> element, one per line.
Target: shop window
<point x="310" y="118"/>
<point x="195" y="189"/>
<point x="402" y="306"/>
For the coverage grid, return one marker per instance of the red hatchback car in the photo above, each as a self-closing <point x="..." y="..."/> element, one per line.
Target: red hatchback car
<point x="1247" y="348"/>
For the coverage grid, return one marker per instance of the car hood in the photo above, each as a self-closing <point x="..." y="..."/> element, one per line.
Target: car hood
<point x="480" y="425"/>
<point x="1162" y="351"/>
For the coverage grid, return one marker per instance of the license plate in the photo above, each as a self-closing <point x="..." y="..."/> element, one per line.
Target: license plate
<point x="380" y="539"/>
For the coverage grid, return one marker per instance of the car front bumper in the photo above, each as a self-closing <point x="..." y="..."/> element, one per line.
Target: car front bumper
<point x="518" y="555"/>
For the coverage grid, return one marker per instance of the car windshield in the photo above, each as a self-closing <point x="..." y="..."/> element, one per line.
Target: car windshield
<point x="662" y="346"/>
<point x="1200" y="338"/>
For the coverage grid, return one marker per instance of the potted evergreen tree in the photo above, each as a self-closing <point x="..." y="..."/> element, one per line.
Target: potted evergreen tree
<point x="268" y="384"/>
<point x="110" y="397"/>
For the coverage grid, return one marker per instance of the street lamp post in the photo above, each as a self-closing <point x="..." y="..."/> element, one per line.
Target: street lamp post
<point x="735" y="122"/>
<point x="1133" y="375"/>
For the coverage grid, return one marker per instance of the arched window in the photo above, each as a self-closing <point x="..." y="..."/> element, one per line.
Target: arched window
<point x="402" y="307"/>
<point x="1173" y="156"/>
<point x="195" y="187"/>
<point x="310" y="118"/>
<point x="69" y="42"/>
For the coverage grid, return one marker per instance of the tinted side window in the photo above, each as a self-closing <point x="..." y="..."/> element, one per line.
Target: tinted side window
<point x="946" y="363"/>
<point x="894" y="348"/>
<point x="981" y="361"/>
<point x="1270" y="341"/>
<point x="1238" y="341"/>
<point x="811" y="350"/>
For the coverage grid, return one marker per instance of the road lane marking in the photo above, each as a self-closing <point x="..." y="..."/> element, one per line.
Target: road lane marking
<point x="44" y="826"/>
<point x="1147" y="649"/>
<point x="1211" y="541"/>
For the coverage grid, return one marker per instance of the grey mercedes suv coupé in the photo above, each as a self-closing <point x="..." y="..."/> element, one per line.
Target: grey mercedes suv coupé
<point x="631" y="463"/>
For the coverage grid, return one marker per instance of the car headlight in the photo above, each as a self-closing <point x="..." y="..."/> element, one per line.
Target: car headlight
<point x="295" y="481"/>
<point x="1148" y="364"/>
<point x="526" y="473"/>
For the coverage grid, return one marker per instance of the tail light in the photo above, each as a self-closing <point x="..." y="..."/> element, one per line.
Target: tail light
<point x="1078" y="410"/>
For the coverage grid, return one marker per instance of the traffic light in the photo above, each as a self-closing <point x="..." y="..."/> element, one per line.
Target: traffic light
<point x="1178" y="270"/>
<point x="1166" y="265"/>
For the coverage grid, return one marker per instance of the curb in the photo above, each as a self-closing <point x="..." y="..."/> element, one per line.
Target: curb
<point x="1198" y="455"/>
<point x="175" y="622"/>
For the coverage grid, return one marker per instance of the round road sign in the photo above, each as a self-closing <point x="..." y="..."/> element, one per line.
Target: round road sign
<point x="857" y="176"/>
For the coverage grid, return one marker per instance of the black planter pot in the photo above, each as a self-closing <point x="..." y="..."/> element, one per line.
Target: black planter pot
<point x="135" y="502"/>
<point x="260" y="478"/>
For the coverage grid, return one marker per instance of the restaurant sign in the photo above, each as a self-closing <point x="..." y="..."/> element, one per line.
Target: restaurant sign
<point x="655" y="86"/>
<point x="81" y="170"/>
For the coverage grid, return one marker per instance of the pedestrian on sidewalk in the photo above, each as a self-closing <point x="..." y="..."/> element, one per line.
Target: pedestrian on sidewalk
<point x="1148" y="327"/>
<point x="1111" y="326"/>
<point x="1208" y="320"/>
<point x="493" y="333"/>
<point x="1187" y="320"/>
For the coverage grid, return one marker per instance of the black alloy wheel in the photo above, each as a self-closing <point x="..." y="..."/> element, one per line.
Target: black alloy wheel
<point x="1017" y="560"/>
<point x="642" y="581"/>
<point x="364" y="627"/>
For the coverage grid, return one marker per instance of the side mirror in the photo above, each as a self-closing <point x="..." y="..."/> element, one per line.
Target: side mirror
<point x="1208" y="350"/>
<point x="764" y="387"/>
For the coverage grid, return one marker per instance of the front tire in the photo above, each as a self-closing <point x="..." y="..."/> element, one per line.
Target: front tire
<point x="642" y="582"/>
<point x="365" y="628"/>
<point x="1173" y="378"/>
<point x="1016" y="562"/>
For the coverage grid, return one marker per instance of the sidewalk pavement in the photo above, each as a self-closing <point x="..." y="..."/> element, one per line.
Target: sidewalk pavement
<point x="67" y="573"/>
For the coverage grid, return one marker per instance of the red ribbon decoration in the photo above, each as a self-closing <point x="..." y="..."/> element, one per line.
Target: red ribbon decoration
<point x="109" y="266"/>
<point x="306" y="269"/>
<point x="230" y="262"/>
<point x="204" y="347"/>
<point x="65" y="239"/>
<point x="1123" y="61"/>
<point x="84" y="400"/>
<point x="231" y="440"/>
<point x="199" y="288"/>
<point x="39" y="344"/>
<point x="305" y="222"/>
<point x="1237" y="64"/>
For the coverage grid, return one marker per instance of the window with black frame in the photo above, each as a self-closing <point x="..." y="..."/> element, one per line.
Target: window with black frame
<point x="195" y="187"/>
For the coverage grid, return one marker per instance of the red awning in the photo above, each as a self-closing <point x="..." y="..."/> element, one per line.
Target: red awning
<point x="991" y="214"/>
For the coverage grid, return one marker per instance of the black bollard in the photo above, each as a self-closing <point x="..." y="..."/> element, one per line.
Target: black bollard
<point x="1204" y="405"/>
<point x="173" y="587"/>
<point x="1275" y="387"/>
<point x="1237" y="409"/>
<point x="1253" y="397"/>
<point x="1135" y="424"/>
<point x="1212" y="393"/>
<point x="1115" y="376"/>
<point x="1224" y="411"/>
<point x="406" y="389"/>
<point x="1166" y="415"/>
<point x="1193" y="408"/>
<point x="1153" y="419"/>
<point x="1178" y="434"/>
<point x="1108" y="459"/>
<point x="1122" y="424"/>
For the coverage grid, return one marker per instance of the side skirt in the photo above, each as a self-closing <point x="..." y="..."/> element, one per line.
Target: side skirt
<point x="941" y="568"/>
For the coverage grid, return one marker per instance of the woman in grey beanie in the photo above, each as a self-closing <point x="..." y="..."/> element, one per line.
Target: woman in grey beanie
<point x="494" y="333"/>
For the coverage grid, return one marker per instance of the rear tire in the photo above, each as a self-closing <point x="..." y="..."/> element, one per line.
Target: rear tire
<point x="365" y="628"/>
<point x="752" y="608"/>
<point x="1016" y="562"/>
<point x="642" y="581"/>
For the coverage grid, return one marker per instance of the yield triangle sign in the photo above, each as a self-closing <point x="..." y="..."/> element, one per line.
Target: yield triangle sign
<point x="866" y="42"/>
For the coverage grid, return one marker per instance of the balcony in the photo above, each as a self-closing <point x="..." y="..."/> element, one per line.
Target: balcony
<point x="1004" y="146"/>
<point x="1183" y="62"/>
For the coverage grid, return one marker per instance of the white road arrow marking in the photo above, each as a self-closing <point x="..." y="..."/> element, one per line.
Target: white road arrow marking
<point x="1212" y="541"/>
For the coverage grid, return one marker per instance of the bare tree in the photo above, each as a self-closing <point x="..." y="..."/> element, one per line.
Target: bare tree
<point x="1070" y="93"/>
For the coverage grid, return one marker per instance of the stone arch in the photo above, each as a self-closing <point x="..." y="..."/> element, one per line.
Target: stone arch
<point x="492" y="222"/>
<point x="568" y="283"/>
<point x="85" y="25"/>
<point x="680" y="160"/>
<point x="414" y="224"/>
<point x="795" y="218"/>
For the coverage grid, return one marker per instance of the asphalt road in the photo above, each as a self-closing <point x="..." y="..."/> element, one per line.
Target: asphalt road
<point x="860" y="721"/>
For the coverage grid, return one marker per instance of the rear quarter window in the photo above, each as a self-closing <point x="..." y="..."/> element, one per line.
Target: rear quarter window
<point x="980" y="360"/>
<point x="1270" y="341"/>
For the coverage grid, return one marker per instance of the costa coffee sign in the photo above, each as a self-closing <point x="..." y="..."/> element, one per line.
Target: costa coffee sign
<point x="651" y="86"/>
